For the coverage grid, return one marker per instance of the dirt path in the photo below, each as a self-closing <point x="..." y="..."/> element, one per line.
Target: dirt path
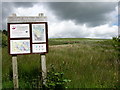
<point x="64" y="45"/>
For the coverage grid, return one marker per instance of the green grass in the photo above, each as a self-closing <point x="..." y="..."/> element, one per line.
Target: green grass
<point x="88" y="63"/>
<point x="61" y="41"/>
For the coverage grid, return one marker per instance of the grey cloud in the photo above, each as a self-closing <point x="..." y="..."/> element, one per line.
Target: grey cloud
<point x="8" y="9"/>
<point x="24" y="4"/>
<point x="91" y="13"/>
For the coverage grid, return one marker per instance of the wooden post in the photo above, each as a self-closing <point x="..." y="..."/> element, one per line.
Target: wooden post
<point x="44" y="71"/>
<point x="15" y="71"/>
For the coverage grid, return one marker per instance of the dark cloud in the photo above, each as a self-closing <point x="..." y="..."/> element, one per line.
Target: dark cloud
<point x="9" y="7"/>
<point x="24" y="4"/>
<point x="90" y="13"/>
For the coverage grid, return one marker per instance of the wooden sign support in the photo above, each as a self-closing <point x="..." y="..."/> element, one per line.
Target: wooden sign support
<point x="44" y="70"/>
<point x="15" y="71"/>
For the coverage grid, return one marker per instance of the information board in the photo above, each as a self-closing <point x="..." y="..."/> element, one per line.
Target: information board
<point x="28" y="38"/>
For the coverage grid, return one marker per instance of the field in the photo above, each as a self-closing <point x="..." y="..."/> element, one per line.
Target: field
<point x="88" y="63"/>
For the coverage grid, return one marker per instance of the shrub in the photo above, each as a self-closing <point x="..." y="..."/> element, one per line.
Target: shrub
<point x="55" y="79"/>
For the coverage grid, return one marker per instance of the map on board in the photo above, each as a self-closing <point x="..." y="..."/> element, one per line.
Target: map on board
<point x="19" y="46"/>
<point x="38" y="33"/>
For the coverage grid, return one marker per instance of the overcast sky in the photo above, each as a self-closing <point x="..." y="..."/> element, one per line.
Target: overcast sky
<point x="70" y="19"/>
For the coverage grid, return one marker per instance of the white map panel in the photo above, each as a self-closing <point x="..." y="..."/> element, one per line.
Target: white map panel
<point x="37" y="48"/>
<point x="38" y="33"/>
<point x="19" y="31"/>
<point x="19" y="46"/>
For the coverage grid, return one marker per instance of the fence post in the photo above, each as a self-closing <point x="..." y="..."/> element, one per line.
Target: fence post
<point x="15" y="71"/>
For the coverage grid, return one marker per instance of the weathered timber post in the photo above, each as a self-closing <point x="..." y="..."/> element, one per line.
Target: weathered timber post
<point x="15" y="71"/>
<point x="44" y="70"/>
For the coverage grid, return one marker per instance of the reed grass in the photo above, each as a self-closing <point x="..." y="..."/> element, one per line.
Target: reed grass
<point x="87" y="63"/>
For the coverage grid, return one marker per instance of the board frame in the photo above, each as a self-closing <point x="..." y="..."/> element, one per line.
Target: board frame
<point x="28" y="38"/>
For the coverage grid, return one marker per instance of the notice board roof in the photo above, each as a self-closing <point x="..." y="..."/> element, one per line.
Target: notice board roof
<point x="21" y="19"/>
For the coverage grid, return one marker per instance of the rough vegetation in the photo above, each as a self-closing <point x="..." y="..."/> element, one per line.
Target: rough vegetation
<point x="88" y="63"/>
